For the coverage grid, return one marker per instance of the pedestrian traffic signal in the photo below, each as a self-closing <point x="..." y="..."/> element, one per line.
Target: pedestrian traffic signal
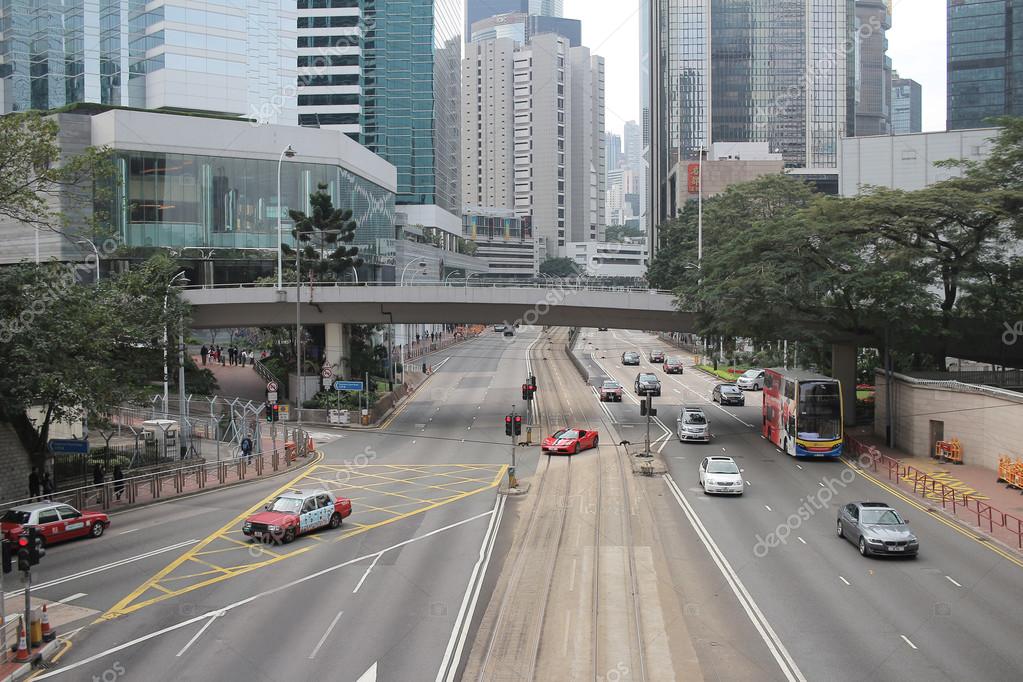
<point x="269" y="411"/>
<point x="508" y="425"/>
<point x="518" y="424"/>
<point x="8" y="562"/>
<point x="277" y="412"/>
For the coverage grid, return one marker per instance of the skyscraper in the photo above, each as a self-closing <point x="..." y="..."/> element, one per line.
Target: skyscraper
<point x="225" y="57"/>
<point x="874" y="70"/>
<point x="985" y="61"/>
<point x="613" y="151"/>
<point x="907" y="105"/>
<point x="521" y="27"/>
<point x="758" y="71"/>
<point x="475" y="10"/>
<point x="533" y="125"/>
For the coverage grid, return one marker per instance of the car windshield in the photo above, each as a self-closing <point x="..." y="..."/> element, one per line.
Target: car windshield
<point x="647" y="377"/>
<point x="880" y="517"/>
<point x="674" y="361"/>
<point x="567" y="433"/>
<point x="612" y="384"/>
<point x="15" y="516"/>
<point x="694" y="418"/>
<point x="729" y="389"/>
<point x="751" y="373"/>
<point x="286" y="505"/>
<point x="721" y="467"/>
<point x="630" y="355"/>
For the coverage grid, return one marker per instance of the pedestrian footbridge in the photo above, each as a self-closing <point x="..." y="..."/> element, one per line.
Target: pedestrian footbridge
<point x="554" y="304"/>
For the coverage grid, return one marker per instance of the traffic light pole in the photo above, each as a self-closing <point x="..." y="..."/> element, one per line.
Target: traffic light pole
<point x="512" y="480"/>
<point x="3" y="618"/>
<point x="28" y="607"/>
<point x="649" y="409"/>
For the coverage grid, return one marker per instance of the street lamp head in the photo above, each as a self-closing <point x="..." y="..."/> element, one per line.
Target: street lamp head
<point x="290" y="151"/>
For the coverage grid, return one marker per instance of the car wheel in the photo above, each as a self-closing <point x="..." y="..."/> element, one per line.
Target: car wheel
<point x="596" y="441"/>
<point x="863" y="547"/>
<point x="97" y="529"/>
<point x="756" y="387"/>
<point x="841" y="532"/>
<point x="289" y="535"/>
<point x="335" y="520"/>
<point x="575" y="448"/>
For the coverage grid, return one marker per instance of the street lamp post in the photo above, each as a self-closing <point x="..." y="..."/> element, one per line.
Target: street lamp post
<point x="699" y="215"/>
<point x="421" y="262"/>
<point x="288" y="152"/>
<point x="95" y="250"/>
<point x="166" y="341"/>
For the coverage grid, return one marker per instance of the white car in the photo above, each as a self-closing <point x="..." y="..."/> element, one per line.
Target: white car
<point x="720" y="475"/>
<point x="692" y="425"/>
<point x="751" y="380"/>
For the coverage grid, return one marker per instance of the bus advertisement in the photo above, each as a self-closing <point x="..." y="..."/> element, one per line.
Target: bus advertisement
<point x="803" y="413"/>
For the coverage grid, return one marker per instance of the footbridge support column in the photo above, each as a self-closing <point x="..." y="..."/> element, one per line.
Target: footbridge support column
<point x="843" y="368"/>
<point x="338" y="351"/>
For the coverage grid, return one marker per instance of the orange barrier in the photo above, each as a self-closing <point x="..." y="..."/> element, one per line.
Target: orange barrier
<point x="949" y="451"/>
<point x="1010" y="472"/>
<point x="289" y="450"/>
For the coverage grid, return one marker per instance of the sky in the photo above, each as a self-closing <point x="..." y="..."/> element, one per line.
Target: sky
<point x="916" y="45"/>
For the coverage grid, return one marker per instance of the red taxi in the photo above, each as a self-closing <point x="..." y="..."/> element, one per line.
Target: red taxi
<point x="296" y="512"/>
<point x="55" y="522"/>
<point x="570" y="441"/>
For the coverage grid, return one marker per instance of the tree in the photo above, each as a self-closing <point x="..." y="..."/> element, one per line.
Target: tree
<point x="323" y="237"/>
<point x="559" y="267"/>
<point x="618" y="233"/>
<point x="34" y="172"/>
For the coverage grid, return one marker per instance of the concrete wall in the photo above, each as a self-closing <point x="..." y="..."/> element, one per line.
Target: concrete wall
<point x="14" y="463"/>
<point x="988" y="423"/>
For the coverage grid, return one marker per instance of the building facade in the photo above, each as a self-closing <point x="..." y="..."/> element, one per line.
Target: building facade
<point x="223" y="56"/>
<point x="613" y="153"/>
<point x="532" y="117"/>
<point x="477" y="10"/>
<point x="504" y="241"/>
<point x="873" y="78"/>
<point x="907" y="105"/>
<point x="758" y="71"/>
<point x="610" y="259"/>
<point x="329" y="65"/>
<point x="985" y="66"/>
<point x="191" y="182"/>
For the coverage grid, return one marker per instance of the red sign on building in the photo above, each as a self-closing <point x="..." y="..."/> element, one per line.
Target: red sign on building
<point x="694" y="178"/>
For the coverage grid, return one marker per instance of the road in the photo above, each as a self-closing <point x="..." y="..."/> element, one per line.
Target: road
<point x="379" y="598"/>
<point x="952" y="614"/>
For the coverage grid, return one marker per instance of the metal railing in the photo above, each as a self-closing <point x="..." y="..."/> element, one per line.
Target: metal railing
<point x="560" y="284"/>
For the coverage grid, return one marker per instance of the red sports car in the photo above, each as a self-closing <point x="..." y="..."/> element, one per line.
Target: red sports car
<point x="55" y="521"/>
<point x="570" y="441"/>
<point x="297" y="512"/>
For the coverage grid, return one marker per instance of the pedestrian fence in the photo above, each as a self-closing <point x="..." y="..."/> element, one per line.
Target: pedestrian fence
<point x="291" y="446"/>
<point x="958" y="503"/>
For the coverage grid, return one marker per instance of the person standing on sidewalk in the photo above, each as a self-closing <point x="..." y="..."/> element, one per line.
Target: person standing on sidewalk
<point x="33" y="484"/>
<point x="118" y="482"/>
<point x="47" y="486"/>
<point x="203" y="352"/>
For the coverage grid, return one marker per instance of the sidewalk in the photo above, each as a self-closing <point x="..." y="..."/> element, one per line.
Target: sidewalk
<point x="967" y="492"/>
<point x="236" y="380"/>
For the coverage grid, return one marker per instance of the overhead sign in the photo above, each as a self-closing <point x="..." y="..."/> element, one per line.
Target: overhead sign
<point x="69" y="446"/>
<point x="348" y="385"/>
<point x="271" y="386"/>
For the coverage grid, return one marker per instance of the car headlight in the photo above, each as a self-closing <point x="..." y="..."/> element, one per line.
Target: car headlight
<point x="914" y="541"/>
<point x="247" y="526"/>
<point x="875" y="541"/>
<point x="274" y="529"/>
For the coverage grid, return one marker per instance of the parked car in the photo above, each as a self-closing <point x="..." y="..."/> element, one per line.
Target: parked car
<point x="656" y="356"/>
<point x="647" y="384"/>
<point x="610" y="391"/>
<point x="876" y="528"/>
<point x="630" y="357"/>
<point x="728" y="394"/>
<point x="692" y="425"/>
<point x="751" y="380"/>
<point x="673" y="365"/>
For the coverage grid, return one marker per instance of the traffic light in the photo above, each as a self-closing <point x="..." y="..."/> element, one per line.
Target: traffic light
<point x="24" y="558"/>
<point x="36" y="548"/>
<point x="525" y="392"/>
<point x="269" y="411"/>
<point x="277" y="412"/>
<point x="7" y="556"/>
<point x="646" y="407"/>
<point x="532" y="382"/>
<point x="508" y="425"/>
<point x="518" y="424"/>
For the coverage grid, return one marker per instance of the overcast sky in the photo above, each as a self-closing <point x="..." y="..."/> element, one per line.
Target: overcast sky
<point x="916" y="45"/>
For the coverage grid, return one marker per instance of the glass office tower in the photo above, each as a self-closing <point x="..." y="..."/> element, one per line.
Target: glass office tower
<point x="985" y="66"/>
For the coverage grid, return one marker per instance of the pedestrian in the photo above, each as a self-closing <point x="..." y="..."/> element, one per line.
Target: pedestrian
<point x="33" y="484"/>
<point x="203" y="352"/>
<point x="98" y="479"/>
<point x="118" y="481"/>
<point x="244" y="357"/>
<point x="246" y="447"/>
<point x="220" y="356"/>
<point x="230" y="355"/>
<point x="47" y="486"/>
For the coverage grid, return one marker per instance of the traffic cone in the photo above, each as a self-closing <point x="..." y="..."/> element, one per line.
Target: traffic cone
<point x="48" y="634"/>
<point x="22" y="655"/>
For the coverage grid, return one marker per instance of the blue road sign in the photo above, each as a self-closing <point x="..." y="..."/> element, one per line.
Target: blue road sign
<point x="348" y="386"/>
<point x="69" y="446"/>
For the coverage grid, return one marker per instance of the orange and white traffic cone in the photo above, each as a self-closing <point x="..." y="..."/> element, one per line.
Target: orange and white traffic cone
<point x="22" y="655"/>
<point x="48" y="634"/>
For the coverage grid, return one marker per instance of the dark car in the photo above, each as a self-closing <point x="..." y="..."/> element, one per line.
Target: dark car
<point x="630" y="357"/>
<point x="601" y="329"/>
<point x="509" y="331"/>
<point x="728" y="394"/>
<point x="876" y="528"/>
<point x="647" y="384"/>
<point x="656" y="356"/>
<point x="673" y="365"/>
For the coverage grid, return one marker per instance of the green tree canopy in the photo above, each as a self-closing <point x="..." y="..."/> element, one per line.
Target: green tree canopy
<point x="323" y="237"/>
<point x="559" y="267"/>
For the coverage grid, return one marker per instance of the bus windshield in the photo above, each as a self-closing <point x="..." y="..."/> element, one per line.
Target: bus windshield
<point x="820" y="411"/>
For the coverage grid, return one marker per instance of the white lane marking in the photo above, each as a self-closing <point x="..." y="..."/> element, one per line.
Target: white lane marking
<point x="906" y="639"/>
<point x="571" y="578"/>
<point x="100" y="569"/>
<point x="196" y="636"/>
<point x="797" y="466"/>
<point x="365" y="575"/>
<point x="133" y="530"/>
<point x="370" y="675"/>
<point x="453" y="652"/>
<point x="844" y="580"/>
<point x="801" y="539"/>
<point x="71" y="598"/>
<point x="257" y="598"/>
<point x="756" y="616"/>
<point x="949" y="578"/>
<point x="676" y="390"/>
<point x="326" y="634"/>
<point x="767" y="508"/>
<point x="568" y="631"/>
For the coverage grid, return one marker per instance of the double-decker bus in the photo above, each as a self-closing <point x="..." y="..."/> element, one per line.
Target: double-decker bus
<point x="803" y="413"/>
